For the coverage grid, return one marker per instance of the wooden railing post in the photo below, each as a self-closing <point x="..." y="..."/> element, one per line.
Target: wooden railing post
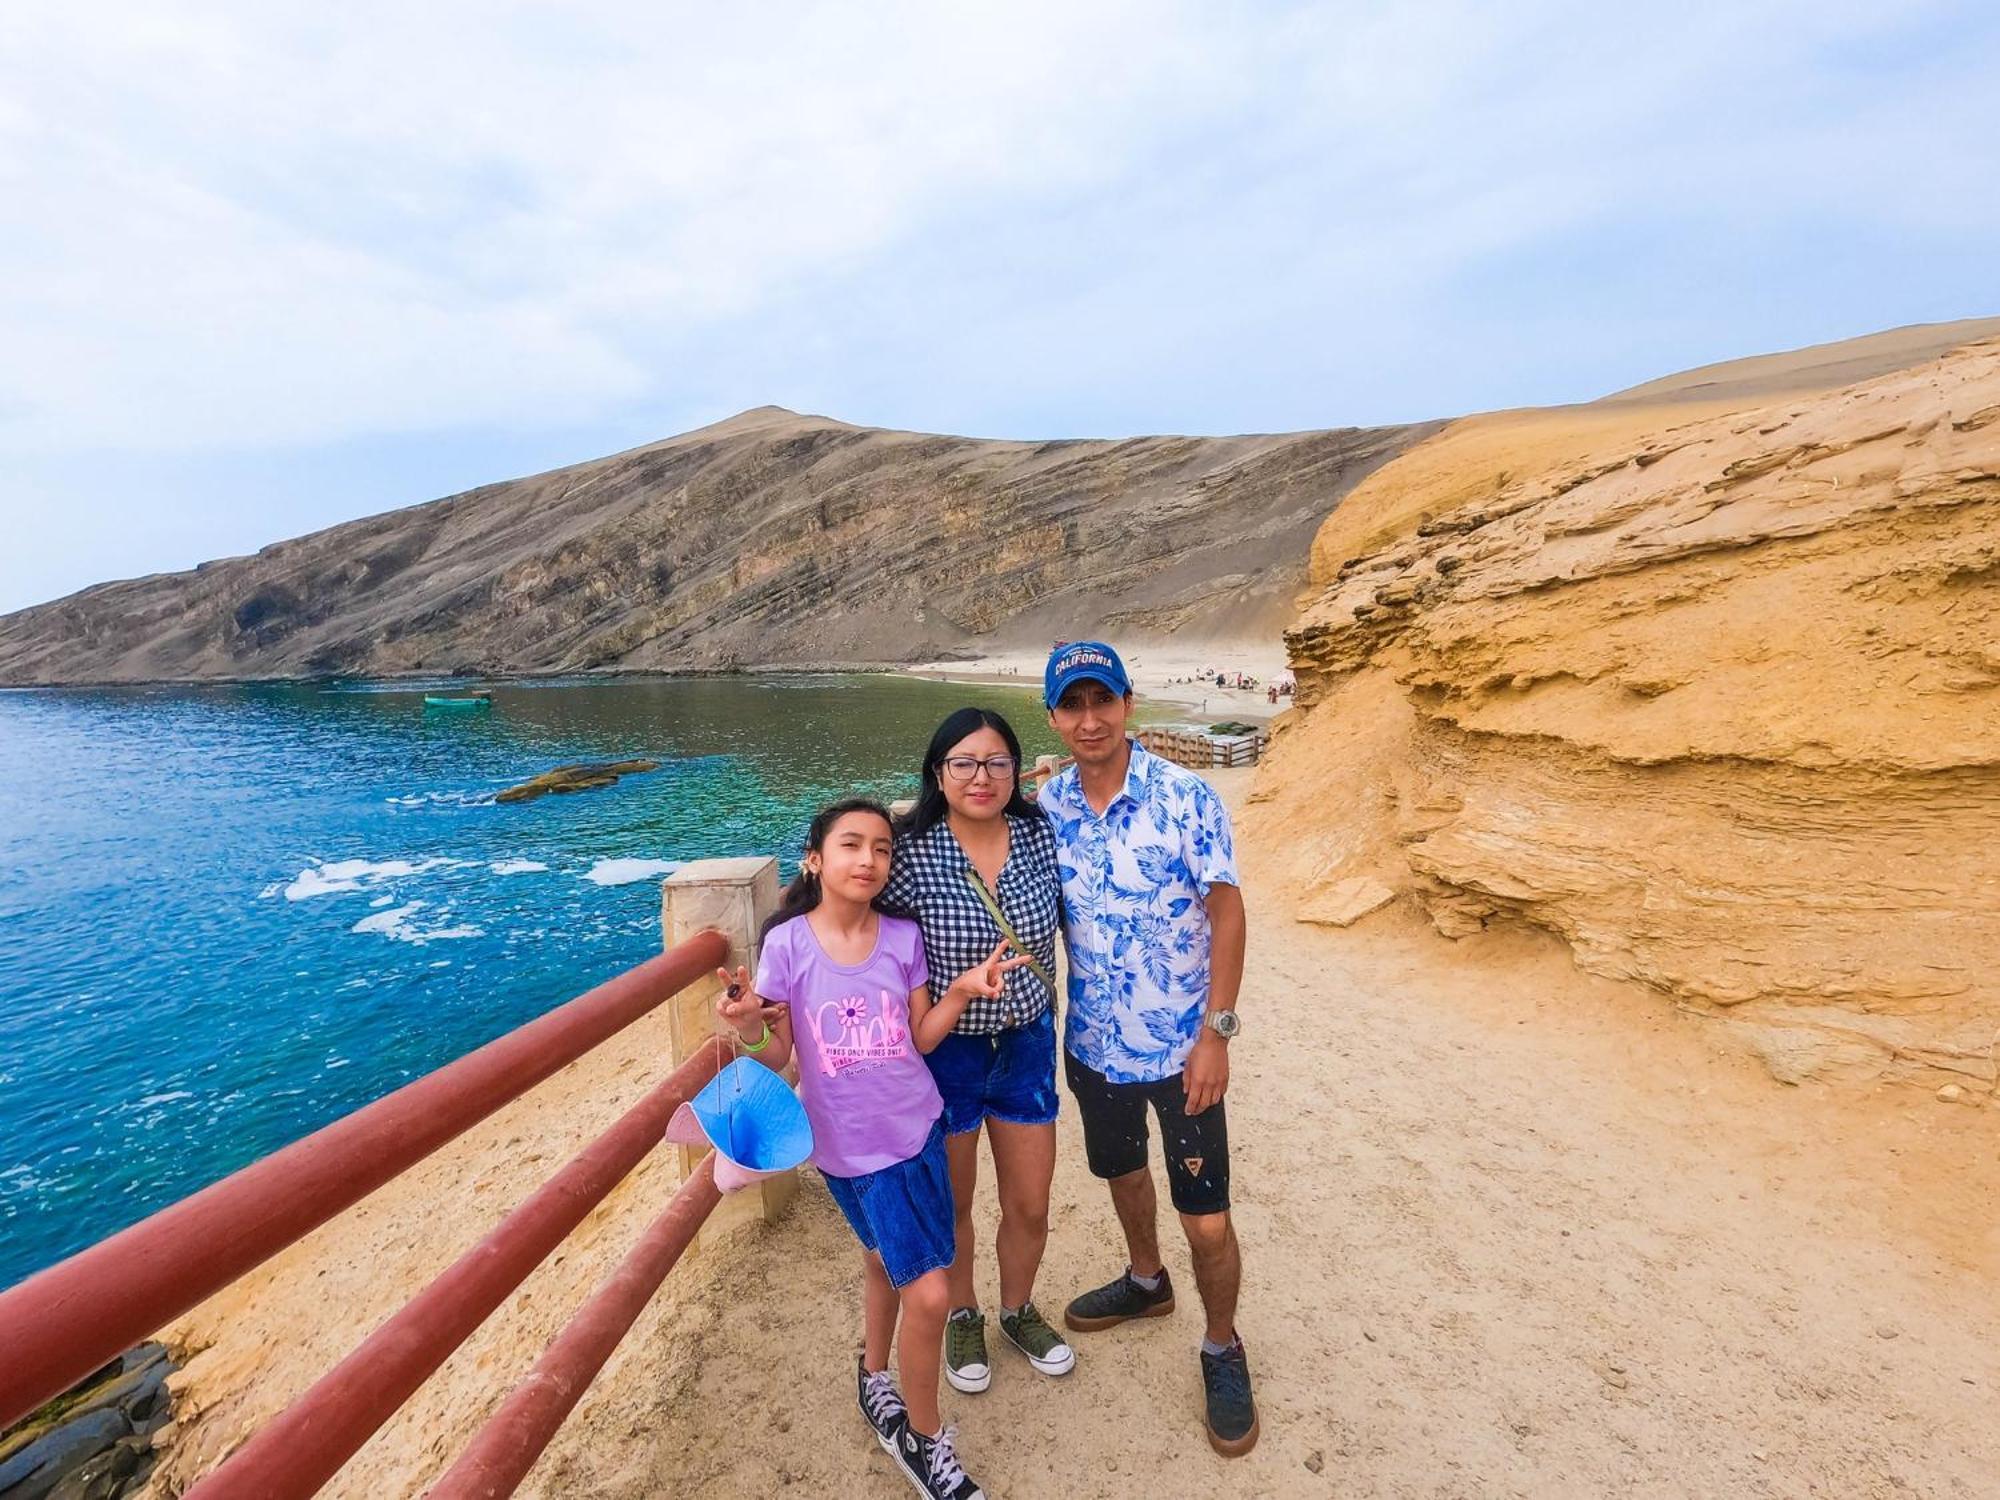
<point x="735" y="896"/>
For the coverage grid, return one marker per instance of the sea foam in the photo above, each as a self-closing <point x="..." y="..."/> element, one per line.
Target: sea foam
<point x="626" y="871"/>
<point x="441" y="799"/>
<point x="399" y="923"/>
<point x="337" y="876"/>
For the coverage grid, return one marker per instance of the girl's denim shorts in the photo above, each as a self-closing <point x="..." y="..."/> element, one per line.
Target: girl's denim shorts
<point x="903" y="1212"/>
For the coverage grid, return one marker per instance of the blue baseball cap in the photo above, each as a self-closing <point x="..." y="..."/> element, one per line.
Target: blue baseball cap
<point x="1082" y="661"/>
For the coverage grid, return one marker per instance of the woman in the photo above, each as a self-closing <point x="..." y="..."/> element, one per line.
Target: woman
<point x="976" y="863"/>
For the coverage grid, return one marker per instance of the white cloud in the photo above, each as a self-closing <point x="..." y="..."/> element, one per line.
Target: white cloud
<point x="265" y="226"/>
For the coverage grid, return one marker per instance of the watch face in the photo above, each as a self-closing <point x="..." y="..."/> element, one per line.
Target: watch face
<point x="1225" y="1023"/>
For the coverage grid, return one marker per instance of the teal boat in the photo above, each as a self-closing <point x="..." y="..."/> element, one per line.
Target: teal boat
<point x="471" y="700"/>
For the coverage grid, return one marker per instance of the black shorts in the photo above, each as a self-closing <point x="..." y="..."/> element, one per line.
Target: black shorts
<point x="1114" y="1135"/>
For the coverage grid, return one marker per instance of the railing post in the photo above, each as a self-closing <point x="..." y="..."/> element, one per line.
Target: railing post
<point x="734" y="895"/>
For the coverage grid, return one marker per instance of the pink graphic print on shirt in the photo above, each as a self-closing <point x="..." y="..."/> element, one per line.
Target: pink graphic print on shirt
<point x="855" y="1039"/>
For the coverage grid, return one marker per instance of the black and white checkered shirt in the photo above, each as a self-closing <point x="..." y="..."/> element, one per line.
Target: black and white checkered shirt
<point x="927" y="877"/>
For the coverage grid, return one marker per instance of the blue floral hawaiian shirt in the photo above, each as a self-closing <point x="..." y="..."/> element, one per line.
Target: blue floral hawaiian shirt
<point x="1134" y="882"/>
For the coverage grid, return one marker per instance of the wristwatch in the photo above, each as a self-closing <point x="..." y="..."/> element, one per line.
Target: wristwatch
<point x="1223" y="1023"/>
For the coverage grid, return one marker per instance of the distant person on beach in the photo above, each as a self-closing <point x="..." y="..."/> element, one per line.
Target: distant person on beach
<point x="976" y="863"/>
<point x="1154" y="928"/>
<point x="846" y="982"/>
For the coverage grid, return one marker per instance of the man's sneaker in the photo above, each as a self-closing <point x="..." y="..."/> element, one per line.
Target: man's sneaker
<point x="881" y="1404"/>
<point x="1028" y="1331"/>
<point x="933" y="1466"/>
<point x="965" y="1363"/>
<point x="1115" y="1302"/>
<point x="1232" y="1415"/>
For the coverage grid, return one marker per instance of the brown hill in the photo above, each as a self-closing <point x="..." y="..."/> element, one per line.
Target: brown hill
<point x="768" y="539"/>
<point x="1709" y="688"/>
<point x="1819" y="367"/>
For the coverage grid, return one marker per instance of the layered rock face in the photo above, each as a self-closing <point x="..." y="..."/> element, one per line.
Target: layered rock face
<point x="770" y="539"/>
<point x="1711" y="689"/>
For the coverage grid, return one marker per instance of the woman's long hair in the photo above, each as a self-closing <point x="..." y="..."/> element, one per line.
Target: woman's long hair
<point x="803" y="894"/>
<point x="931" y="806"/>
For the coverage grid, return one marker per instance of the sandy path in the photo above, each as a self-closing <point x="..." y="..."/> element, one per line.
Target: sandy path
<point x="1497" y="1243"/>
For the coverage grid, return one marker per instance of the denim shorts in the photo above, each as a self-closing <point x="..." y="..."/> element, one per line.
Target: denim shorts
<point x="904" y="1212"/>
<point x="1010" y="1075"/>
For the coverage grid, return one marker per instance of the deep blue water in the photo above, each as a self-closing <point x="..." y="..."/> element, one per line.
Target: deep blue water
<point x="229" y="915"/>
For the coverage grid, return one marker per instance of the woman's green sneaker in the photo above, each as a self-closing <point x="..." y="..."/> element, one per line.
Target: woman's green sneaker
<point x="965" y="1362"/>
<point x="1028" y="1331"/>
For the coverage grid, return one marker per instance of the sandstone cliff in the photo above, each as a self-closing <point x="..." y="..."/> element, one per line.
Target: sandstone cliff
<point x="769" y="539"/>
<point x="1705" y="680"/>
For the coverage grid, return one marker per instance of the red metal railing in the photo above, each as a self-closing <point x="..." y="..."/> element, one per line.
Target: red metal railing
<point x="69" y="1320"/>
<point x="305" y="1445"/>
<point x="499" y="1458"/>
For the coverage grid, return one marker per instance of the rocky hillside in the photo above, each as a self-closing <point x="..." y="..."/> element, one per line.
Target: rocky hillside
<point x="769" y="539"/>
<point x="1704" y="681"/>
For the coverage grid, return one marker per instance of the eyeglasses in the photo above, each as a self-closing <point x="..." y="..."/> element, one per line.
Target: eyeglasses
<point x="965" y="767"/>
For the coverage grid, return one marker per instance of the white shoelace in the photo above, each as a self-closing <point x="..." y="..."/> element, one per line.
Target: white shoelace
<point x="943" y="1461"/>
<point x="880" y="1394"/>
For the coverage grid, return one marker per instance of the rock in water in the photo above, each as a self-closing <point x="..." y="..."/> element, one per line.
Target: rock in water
<point x="575" y="778"/>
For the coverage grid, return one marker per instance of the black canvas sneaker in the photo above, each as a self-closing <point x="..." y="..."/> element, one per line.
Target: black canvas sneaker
<point x="1231" y="1414"/>
<point x="932" y="1465"/>
<point x="1118" y="1301"/>
<point x="881" y="1403"/>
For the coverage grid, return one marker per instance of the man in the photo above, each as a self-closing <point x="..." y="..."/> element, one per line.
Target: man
<point x="1154" y="922"/>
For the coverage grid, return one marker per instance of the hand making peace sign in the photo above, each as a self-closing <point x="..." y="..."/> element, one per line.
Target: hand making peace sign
<point x="984" y="981"/>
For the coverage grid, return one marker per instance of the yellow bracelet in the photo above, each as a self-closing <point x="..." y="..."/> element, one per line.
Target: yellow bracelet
<point x="761" y="1043"/>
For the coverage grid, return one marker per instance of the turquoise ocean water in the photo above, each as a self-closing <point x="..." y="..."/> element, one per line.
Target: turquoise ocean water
<point x="229" y="915"/>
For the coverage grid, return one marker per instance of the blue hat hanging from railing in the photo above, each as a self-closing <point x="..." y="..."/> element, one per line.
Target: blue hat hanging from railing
<point x="752" y="1118"/>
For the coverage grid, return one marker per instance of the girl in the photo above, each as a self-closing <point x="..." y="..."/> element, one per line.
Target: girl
<point x="846" y="983"/>
<point x="976" y="862"/>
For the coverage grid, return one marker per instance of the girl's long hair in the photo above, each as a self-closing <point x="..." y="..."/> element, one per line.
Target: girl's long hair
<point x="931" y="805"/>
<point x="803" y="894"/>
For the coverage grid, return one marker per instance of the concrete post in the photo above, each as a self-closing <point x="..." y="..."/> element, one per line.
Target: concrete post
<point x="733" y="896"/>
<point x="1046" y="766"/>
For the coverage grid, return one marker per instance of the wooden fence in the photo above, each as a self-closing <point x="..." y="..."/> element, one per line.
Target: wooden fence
<point x="1202" y="750"/>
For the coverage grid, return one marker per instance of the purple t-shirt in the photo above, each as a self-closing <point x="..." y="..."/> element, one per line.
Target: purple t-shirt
<point x="865" y="1087"/>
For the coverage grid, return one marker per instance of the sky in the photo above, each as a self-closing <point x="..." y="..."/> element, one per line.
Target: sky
<point x="268" y="266"/>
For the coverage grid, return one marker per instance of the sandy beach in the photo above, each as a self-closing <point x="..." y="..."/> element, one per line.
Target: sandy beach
<point x="1173" y="675"/>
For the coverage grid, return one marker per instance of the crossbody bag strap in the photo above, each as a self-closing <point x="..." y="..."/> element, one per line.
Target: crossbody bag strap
<point x="993" y="910"/>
